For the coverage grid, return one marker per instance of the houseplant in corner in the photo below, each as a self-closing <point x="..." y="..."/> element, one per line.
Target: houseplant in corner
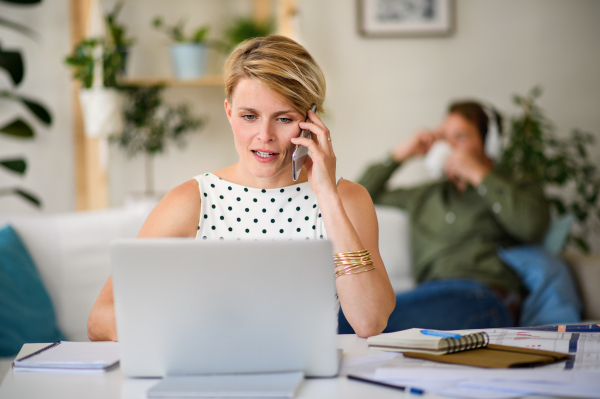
<point x="562" y="165"/>
<point x="11" y="62"/>
<point x="188" y="53"/>
<point x="150" y="125"/>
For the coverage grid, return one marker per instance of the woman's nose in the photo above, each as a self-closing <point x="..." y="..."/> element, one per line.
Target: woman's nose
<point x="266" y="132"/>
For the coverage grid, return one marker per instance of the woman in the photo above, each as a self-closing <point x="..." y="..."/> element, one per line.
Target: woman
<point x="270" y="83"/>
<point x="457" y="225"/>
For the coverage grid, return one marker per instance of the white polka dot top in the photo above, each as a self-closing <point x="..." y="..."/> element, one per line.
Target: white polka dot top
<point x="230" y="211"/>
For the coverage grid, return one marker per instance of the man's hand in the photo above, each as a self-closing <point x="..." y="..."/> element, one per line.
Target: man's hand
<point x="417" y="145"/>
<point x="464" y="167"/>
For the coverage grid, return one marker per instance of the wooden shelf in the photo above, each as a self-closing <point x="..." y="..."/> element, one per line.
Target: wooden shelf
<point x="211" y="80"/>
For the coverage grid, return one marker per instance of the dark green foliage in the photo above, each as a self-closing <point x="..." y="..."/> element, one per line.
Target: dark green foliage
<point x="560" y="164"/>
<point x="15" y="165"/>
<point x="244" y="28"/>
<point x="150" y="123"/>
<point x="177" y="34"/>
<point x="18" y="128"/>
<point x="12" y="62"/>
<point x="117" y="35"/>
<point x="36" y="108"/>
<point x="22" y="2"/>
<point x="82" y="62"/>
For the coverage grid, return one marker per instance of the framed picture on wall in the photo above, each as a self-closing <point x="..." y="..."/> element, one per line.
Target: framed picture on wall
<point x="409" y="18"/>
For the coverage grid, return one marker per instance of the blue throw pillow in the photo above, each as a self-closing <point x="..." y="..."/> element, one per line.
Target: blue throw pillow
<point x="556" y="236"/>
<point x="26" y="312"/>
<point x="553" y="297"/>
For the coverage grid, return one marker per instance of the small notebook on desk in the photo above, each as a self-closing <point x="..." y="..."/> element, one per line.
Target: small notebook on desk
<point x="415" y="340"/>
<point x="69" y="356"/>
<point x="470" y="349"/>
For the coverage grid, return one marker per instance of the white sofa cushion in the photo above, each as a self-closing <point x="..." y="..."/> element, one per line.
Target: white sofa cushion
<point x="71" y="252"/>
<point x="394" y="246"/>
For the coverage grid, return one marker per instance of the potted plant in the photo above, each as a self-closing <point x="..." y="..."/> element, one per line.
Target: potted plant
<point x="17" y="128"/>
<point x="188" y="53"/>
<point x="244" y="28"/>
<point x="98" y="62"/>
<point x="570" y="178"/>
<point x="150" y="125"/>
<point x="117" y="39"/>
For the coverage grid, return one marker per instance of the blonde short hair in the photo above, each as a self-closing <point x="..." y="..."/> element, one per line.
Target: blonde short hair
<point x="280" y="64"/>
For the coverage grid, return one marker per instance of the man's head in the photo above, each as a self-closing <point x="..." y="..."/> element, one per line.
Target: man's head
<point x="466" y="126"/>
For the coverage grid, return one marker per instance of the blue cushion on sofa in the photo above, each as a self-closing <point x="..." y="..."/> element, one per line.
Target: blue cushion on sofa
<point x="26" y="312"/>
<point x="553" y="296"/>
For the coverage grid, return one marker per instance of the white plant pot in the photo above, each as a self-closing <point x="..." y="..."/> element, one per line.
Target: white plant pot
<point x="102" y="111"/>
<point x="188" y="60"/>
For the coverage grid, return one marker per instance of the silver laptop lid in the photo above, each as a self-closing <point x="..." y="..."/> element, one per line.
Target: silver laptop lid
<point x="189" y="307"/>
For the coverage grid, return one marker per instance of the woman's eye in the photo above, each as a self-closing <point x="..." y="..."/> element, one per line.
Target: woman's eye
<point x="285" y="120"/>
<point x="248" y="117"/>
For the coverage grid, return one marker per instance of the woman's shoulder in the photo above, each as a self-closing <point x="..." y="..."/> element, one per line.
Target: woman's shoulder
<point x="351" y="192"/>
<point x="176" y="215"/>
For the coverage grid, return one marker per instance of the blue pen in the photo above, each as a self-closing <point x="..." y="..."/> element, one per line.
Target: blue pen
<point x="442" y="334"/>
<point x="414" y="391"/>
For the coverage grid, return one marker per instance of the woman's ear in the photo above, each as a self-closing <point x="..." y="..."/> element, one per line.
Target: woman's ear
<point x="228" y="109"/>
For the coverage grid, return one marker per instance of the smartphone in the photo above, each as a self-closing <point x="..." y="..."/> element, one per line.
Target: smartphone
<point x="300" y="152"/>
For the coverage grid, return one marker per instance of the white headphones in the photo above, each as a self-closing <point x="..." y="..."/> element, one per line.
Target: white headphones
<point x="493" y="145"/>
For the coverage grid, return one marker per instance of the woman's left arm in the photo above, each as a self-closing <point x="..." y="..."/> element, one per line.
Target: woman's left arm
<point x="351" y="223"/>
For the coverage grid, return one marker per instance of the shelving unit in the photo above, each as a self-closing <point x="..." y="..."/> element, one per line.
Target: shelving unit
<point x="211" y="80"/>
<point x="91" y="184"/>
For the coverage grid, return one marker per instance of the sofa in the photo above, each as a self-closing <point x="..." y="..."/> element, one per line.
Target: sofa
<point x="71" y="253"/>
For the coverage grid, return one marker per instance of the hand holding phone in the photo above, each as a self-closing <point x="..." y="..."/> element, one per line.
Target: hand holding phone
<point x="300" y="152"/>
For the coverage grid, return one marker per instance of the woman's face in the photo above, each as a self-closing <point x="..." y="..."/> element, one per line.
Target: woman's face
<point x="263" y="124"/>
<point x="462" y="134"/>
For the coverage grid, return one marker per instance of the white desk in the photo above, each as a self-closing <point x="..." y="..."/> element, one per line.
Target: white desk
<point x="113" y="384"/>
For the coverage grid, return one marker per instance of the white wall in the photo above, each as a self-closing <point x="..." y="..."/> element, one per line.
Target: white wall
<point x="379" y="90"/>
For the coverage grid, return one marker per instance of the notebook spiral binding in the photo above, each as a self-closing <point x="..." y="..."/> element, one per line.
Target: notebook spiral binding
<point x="40" y="351"/>
<point x="467" y="342"/>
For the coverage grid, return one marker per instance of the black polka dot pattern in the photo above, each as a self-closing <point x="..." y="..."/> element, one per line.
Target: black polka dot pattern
<point x="234" y="212"/>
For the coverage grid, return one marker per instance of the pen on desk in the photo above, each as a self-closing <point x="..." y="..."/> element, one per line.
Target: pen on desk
<point x="415" y="391"/>
<point x="442" y="334"/>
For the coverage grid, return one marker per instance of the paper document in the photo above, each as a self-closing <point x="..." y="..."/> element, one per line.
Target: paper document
<point x="65" y="356"/>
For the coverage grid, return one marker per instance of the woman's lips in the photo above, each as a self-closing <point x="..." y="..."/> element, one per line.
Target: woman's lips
<point x="262" y="158"/>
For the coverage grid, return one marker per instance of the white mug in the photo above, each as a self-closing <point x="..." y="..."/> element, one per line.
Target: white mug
<point x="435" y="159"/>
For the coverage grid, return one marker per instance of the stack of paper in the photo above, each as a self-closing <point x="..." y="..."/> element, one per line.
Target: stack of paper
<point x="577" y="377"/>
<point x="64" y="355"/>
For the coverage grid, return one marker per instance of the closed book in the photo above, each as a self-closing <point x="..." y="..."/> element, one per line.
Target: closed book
<point x="495" y="356"/>
<point x="415" y="341"/>
<point x="69" y="356"/>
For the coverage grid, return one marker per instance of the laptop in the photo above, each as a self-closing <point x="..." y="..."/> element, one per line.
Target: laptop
<point x="185" y="307"/>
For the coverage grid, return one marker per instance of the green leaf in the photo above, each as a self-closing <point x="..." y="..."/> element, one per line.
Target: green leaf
<point x="15" y="165"/>
<point x="18" y="128"/>
<point x="12" y="62"/>
<point x="30" y="197"/>
<point x="582" y="244"/>
<point x="21" y="193"/>
<point x="19" y="28"/>
<point x="38" y="110"/>
<point x="22" y="2"/>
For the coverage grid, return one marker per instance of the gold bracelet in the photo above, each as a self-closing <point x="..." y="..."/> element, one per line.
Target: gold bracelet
<point x="346" y="263"/>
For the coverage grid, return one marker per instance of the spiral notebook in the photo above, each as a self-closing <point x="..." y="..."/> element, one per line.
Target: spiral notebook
<point x="69" y="356"/>
<point x="414" y="340"/>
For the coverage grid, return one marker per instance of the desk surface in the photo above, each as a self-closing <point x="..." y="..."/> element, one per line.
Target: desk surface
<point x="113" y="384"/>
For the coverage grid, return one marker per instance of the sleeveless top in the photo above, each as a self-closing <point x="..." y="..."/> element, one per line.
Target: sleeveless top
<point x="229" y="211"/>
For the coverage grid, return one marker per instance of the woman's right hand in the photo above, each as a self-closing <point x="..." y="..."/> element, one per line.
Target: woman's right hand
<point x="418" y="144"/>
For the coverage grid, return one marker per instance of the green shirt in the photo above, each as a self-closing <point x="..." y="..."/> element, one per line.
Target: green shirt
<point x="456" y="235"/>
